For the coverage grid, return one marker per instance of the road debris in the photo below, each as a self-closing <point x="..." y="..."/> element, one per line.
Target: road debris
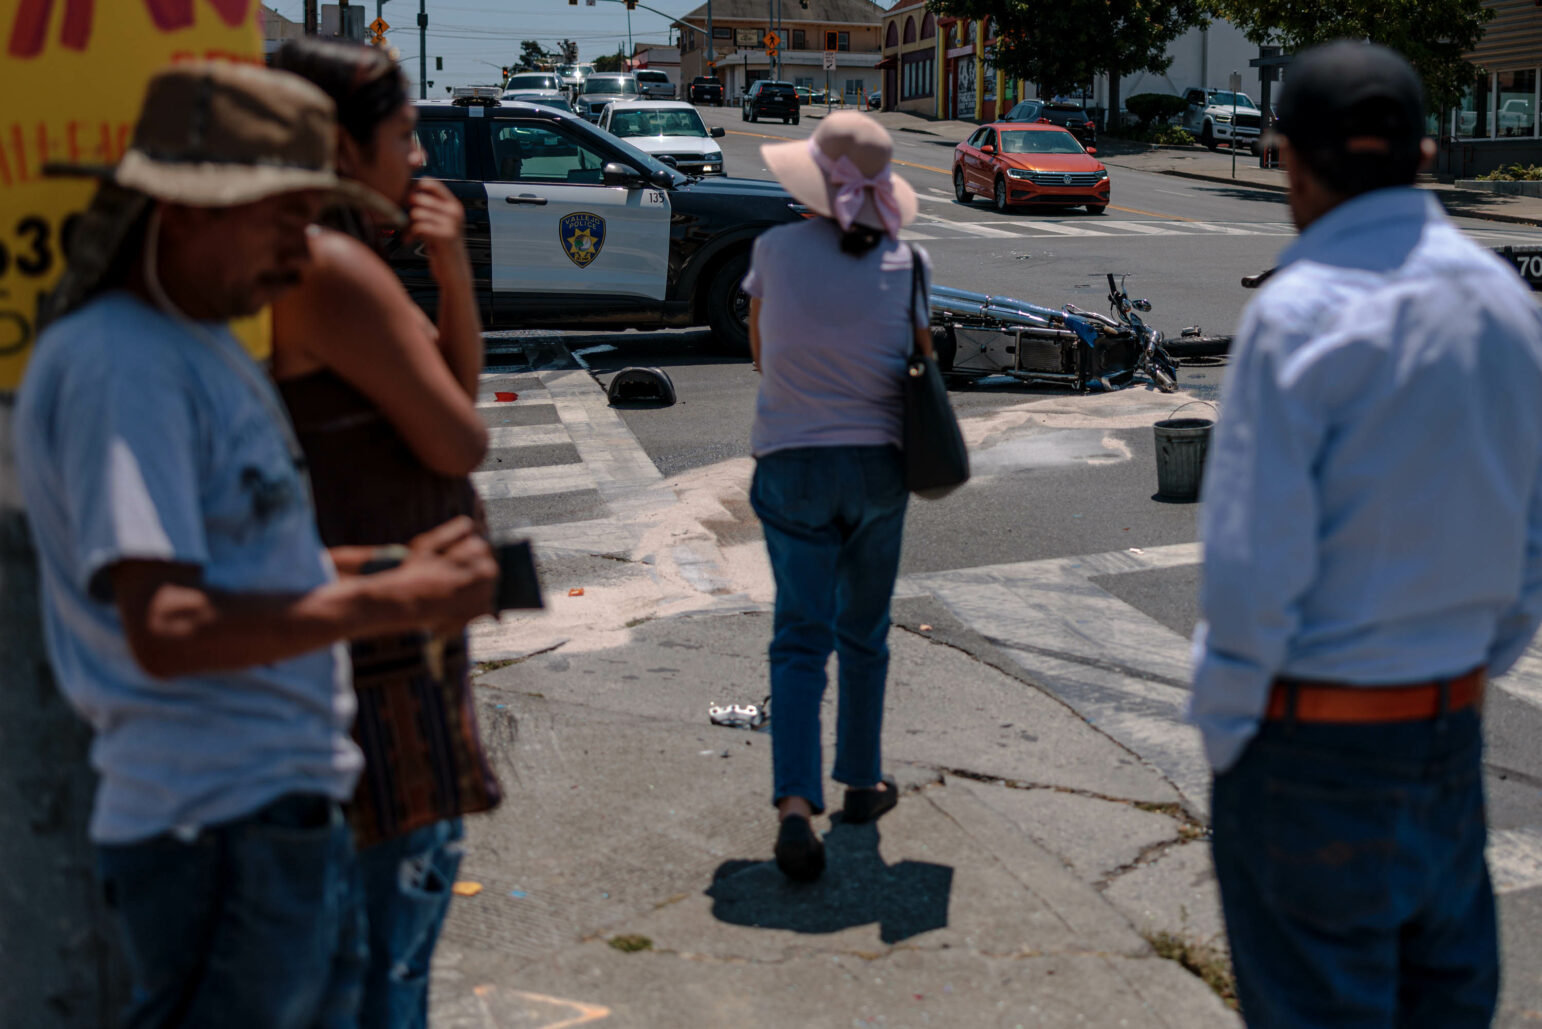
<point x="466" y="888"/>
<point x="505" y="397"/>
<point x="576" y="591"/>
<point x="741" y="716"/>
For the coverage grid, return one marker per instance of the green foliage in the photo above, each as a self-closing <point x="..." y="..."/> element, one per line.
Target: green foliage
<point x="533" y="55"/>
<point x="1149" y="107"/>
<point x="1060" y="46"/>
<point x="568" y="50"/>
<point x="1163" y="135"/>
<point x="611" y="62"/>
<point x="1514" y="173"/>
<point x="1432" y="34"/>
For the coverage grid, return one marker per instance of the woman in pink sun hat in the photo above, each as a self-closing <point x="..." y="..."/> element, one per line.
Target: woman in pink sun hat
<point x="837" y="305"/>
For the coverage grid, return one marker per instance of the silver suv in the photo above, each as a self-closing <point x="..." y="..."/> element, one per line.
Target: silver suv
<point x="600" y="88"/>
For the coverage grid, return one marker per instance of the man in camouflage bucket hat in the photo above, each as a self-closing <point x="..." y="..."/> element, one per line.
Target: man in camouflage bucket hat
<point x="191" y="612"/>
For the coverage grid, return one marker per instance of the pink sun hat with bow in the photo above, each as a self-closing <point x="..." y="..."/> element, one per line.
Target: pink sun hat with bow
<point x="842" y="172"/>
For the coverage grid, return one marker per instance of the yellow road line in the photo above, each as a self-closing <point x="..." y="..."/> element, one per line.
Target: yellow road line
<point x="1152" y="214"/>
<point x="924" y="167"/>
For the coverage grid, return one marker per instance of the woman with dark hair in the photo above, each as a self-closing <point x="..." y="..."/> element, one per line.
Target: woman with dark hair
<point x="384" y="402"/>
<point x="838" y="303"/>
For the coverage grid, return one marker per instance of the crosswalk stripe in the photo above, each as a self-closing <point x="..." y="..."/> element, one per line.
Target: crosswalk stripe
<point x="509" y="437"/>
<point x="1061" y="229"/>
<point x="1139" y="228"/>
<point x="972" y="228"/>
<point x="509" y="483"/>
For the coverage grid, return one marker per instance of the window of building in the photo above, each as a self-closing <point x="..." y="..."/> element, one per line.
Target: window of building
<point x="917" y="75"/>
<point x="1515" y="103"/>
<point x="928" y="26"/>
<point x="1473" y="117"/>
<point x="855" y="86"/>
<point x="891" y="34"/>
<point x="799" y="40"/>
<point x="910" y="29"/>
<point x="718" y="33"/>
<point x="843" y="41"/>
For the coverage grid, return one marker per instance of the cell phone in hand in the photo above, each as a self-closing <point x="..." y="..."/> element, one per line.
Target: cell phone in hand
<point x="518" y="586"/>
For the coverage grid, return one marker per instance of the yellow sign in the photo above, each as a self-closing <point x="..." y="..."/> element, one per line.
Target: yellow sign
<point x="773" y="40"/>
<point x="74" y="73"/>
<point x="379" y="26"/>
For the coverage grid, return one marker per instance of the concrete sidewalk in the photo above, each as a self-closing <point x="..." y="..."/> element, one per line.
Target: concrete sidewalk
<point x="1195" y="162"/>
<point x="626" y="880"/>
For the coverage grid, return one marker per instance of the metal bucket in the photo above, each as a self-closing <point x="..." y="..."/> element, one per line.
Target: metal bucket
<point x="1181" y="445"/>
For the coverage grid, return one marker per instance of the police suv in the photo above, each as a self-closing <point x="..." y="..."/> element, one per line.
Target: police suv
<point x="570" y="227"/>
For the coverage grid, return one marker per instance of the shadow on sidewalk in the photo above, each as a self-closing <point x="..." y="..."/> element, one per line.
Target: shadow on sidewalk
<point x="906" y="899"/>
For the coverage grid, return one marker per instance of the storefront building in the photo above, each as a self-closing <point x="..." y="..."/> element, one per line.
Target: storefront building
<point x="850" y="29"/>
<point x="1496" y="123"/>
<point x="943" y="67"/>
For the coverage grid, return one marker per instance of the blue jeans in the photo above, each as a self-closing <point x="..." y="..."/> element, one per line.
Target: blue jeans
<point x="407" y="884"/>
<point x="1350" y="860"/>
<point x="834" y="519"/>
<point x="252" y="923"/>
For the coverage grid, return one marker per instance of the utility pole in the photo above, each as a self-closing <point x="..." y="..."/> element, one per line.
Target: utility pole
<point x="711" y="56"/>
<point x="629" y="50"/>
<point x="422" y="49"/>
<point x="311" y="18"/>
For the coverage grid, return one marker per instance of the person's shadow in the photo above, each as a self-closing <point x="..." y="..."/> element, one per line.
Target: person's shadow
<point x="906" y="899"/>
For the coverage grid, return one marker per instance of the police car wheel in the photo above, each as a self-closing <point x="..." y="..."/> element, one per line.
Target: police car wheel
<point x="728" y="307"/>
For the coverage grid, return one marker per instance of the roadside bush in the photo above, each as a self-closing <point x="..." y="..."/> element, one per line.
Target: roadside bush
<point x="1158" y="107"/>
<point x="1162" y="135"/>
<point x="1514" y="173"/>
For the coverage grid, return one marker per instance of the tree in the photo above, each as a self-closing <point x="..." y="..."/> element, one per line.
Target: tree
<point x="1060" y="46"/>
<point x="611" y="62"/>
<point x="532" y="54"/>
<point x="1432" y="34"/>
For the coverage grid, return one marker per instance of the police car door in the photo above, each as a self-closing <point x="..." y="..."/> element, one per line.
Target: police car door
<point x="559" y="232"/>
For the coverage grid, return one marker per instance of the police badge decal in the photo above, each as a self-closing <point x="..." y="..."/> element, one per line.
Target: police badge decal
<point x="582" y="235"/>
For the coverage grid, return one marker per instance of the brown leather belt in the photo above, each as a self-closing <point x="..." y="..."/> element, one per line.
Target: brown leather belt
<point x="1345" y="704"/>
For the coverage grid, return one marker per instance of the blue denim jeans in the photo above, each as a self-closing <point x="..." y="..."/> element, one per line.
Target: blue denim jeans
<point x="1350" y="860"/>
<point x="407" y="884"/>
<point x="834" y="519"/>
<point x="252" y="923"/>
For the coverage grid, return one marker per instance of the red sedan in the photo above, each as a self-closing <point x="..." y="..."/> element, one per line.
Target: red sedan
<point x="1015" y="163"/>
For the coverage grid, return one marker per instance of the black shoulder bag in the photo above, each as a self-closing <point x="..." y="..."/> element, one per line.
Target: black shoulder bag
<point x="936" y="460"/>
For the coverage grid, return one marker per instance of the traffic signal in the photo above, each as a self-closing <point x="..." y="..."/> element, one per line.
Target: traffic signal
<point x="631" y="5"/>
<point x="439" y="64"/>
<point x="505" y="74"/>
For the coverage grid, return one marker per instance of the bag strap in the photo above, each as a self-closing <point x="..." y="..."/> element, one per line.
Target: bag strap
<point x="915" y="289"/>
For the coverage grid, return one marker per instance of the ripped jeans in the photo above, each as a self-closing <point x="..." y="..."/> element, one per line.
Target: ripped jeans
<point x="407" y="883"/>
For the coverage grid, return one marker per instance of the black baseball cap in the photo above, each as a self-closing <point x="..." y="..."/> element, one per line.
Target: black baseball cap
<point x="1349" y="99"/>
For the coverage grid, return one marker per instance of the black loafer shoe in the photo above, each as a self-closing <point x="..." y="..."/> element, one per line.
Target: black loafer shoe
<point x="865" y="805"/>
<point x="799" y="852"/>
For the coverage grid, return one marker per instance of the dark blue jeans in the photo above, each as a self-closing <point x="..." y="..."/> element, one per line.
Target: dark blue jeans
<point x="256" y="922"/>
<point x="1350" y="860"/>
<point x="834" y="519"/>
<point x="407" y="884"/>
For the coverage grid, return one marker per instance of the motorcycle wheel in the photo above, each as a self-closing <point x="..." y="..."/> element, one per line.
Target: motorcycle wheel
<point x="1197" y="346"/>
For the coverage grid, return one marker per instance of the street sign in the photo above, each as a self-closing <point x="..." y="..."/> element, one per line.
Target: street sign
<point x="379" y="26"/>
<point x="772" y="40"/>
<point x="829" y="60"/>
<point x="1234" y="82"/>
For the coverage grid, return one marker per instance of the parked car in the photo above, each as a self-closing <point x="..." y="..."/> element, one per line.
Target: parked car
<point x="875" y="101"/>
<point x="601" y="88"/>
<point x="1029" y="163"/>
<point x="769" y="98"/>
<point x="804" y="94"/>
<point x="706" y="89"/>
<point x="653" y="84"/>
<point x="1219" y="116"/>
<point x="1071" y="117"/>
<point x="568" y="226"/>
<point x="546" y="99"/>
<point x="669" y="130"/>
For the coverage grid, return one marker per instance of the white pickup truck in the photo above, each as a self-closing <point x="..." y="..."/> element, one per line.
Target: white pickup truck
<point x="1210" y="115"/>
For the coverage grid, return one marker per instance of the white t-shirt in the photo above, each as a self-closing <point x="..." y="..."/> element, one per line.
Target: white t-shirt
<point x="836" y="331"/>
<point x="136" y="439"/>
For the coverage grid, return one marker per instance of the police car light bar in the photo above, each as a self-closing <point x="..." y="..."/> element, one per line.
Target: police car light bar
<point x="477" y="95"/>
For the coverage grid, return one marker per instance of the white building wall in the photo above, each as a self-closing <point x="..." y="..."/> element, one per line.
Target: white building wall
<point x="1201" y="57"/>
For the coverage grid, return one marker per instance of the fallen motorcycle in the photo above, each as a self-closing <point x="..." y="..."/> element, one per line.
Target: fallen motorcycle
<point x="977" y="336"/>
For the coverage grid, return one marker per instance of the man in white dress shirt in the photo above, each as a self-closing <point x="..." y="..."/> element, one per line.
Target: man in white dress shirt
<point x="1372" y="527"/>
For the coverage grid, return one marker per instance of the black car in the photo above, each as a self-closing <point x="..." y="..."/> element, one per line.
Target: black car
<point x="705" y="90"/>
<point x="1071" y="117"/>
<point x="568" y="226"/>
<point x="771" y="99"/>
